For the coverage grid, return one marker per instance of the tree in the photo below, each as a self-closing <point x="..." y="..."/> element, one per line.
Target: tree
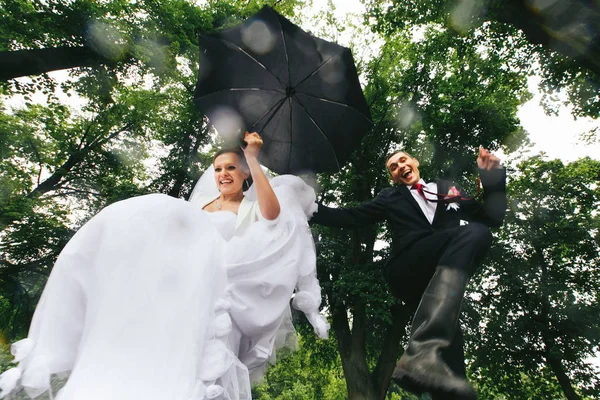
<point x="539" y="293"/>
<point x="440" y="100"/>
<point x="116" y="34"/>
<point x="87" y="33"/>
<point x="440" y="96"/>
<point x="555" y="38"/>
<point x="50" y="161"/>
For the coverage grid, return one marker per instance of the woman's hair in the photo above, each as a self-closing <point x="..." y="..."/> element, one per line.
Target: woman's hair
<point x="237" y="151"/>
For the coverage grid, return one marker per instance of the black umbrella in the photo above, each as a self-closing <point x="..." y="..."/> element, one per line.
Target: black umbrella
<point x="301" y="93"/>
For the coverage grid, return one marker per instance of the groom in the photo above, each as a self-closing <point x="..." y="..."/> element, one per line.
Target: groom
<point x="439" y="236"/>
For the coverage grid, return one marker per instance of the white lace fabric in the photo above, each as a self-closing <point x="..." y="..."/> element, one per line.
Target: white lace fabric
<point x="154" y="298"/>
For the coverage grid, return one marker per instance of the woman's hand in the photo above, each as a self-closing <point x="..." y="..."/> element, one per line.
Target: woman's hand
<point x="267" y="200"/>
<point x="254" y="143"/>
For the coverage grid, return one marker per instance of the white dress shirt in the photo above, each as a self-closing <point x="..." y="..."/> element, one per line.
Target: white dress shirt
<point x="428" y="207"/>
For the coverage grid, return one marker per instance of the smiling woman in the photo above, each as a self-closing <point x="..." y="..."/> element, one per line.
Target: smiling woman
<point x="231" y="174"/>
<point x="158" y="298"/>
<point x="233" y="168"/>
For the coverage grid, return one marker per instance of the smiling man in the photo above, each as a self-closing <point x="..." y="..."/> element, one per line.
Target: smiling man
<point x="439" y="237"/>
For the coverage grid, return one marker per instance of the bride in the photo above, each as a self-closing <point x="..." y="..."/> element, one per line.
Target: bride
<point x="159" y="298"/>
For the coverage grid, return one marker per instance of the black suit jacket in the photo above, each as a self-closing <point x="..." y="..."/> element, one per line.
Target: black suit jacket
<point x="406" y="221"/>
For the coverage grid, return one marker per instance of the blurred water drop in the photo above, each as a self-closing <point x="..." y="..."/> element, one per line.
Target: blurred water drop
<point x="105" y="40"/>
<point x="579" y="36"/>
<point x="228" y="123"/>
<point x="252" y="100"/>
<point x="155" y="52"/>
<point x="258" y="37"/>
<point x="466" y="14"/>
<point x="333" y="72"/>
<point x="406" y="116"/>
<point x="539" y="5"/>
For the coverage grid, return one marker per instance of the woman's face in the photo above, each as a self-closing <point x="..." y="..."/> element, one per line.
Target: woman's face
<point x="229" y="173"/>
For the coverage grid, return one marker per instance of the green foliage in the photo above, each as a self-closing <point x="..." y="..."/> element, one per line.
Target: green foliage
<point x="312" y="372"/>
<point x="539" y="292"/>
<point x="447" y="98"/>
<point x="440" y="98"/>
<point x="494" y="23"/>
<point x="436" y="91"/>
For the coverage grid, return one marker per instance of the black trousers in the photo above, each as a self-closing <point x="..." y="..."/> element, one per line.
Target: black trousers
<point x="409" y="273"/>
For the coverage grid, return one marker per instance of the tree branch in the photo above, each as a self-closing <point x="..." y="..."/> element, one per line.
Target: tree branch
<point x="14" y="64"/>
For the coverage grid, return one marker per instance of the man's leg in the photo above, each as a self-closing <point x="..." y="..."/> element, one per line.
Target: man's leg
<point x="455" y="358"/>
<point x="435" y="323"/>
<point x="408" y="279"/>
<point x="454" y="355"/>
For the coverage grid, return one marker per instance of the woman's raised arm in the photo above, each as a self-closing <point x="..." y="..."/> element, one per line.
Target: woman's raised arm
<point x="267" y="200"/>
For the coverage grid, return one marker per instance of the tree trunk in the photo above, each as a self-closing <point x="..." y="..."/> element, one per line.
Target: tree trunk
<point x="51" y="183"/>
<point x="352" y="353"/>
<point x="14" y="64"/>
<point x="360" y="382"/>
<point x="382" y="374"/>
<point x="553" y="361"/>
<point x="182" y="175"/>
<point x="353" y="348"/>
<point x="561" y="376"/>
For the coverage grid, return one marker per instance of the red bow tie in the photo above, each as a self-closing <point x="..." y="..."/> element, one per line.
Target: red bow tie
<point x="420" y="188"/>
<point x="443" y="197"/>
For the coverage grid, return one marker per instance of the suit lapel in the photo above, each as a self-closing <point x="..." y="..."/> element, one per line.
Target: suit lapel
<point x="442" y="187"/>
<point x="406" y="193"/>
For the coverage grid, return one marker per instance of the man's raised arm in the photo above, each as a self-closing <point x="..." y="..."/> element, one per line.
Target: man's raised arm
<point x="493" y="180"/>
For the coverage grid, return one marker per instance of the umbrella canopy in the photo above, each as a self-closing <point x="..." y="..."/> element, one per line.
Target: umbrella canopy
<point x="299" y="92"/>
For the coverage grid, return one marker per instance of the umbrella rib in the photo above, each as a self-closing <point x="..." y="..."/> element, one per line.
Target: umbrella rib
<point x="337" y="103"/>
<point x="287" y="58"/>
<point x="233" y="89"/>
<point x="314" y="72"/>
<point x="320" y="130"/>
<point x="289" y="157"/>
<point x="255" y="60"/>
<point x="276" y="107"/>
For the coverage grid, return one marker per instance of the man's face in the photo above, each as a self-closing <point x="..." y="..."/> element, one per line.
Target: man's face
<point x="403" y="169"/>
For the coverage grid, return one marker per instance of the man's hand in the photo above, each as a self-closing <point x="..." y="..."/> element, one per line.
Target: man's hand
<point x="487" y="160"/>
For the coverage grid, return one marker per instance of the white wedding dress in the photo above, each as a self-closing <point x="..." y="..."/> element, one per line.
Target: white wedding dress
<point x="156" y="299"/>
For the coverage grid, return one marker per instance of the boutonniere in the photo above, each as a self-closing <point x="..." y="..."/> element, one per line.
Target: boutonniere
<point x="453" y="192"/>
<point x="452" y="206"/>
